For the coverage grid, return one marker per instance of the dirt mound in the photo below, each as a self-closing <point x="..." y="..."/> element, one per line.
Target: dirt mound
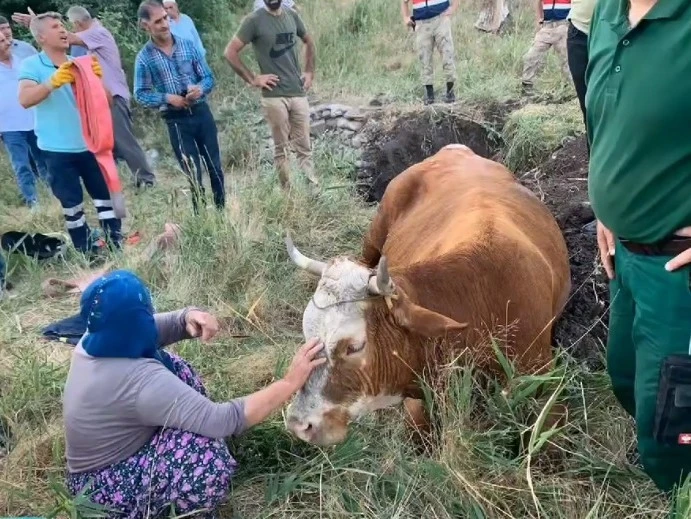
<point x="395" y="144"/>
<point x="561" y="182"/>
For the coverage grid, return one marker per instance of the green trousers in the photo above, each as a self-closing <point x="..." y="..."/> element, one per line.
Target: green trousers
<point x="650" y="318"/>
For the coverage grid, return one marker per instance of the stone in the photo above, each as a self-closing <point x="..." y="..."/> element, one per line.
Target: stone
<point x="346" y="124"/>
<point x="337" y="110"/>
<point x="358" y="141"/>
<point x="354" y="126"/>
<point x="325" y="114"/>
<point x="317" y="108"/>
<point x="318" y="127"/>
<point x="332" y="123"/>
<point x="341" y="122"/>
<point x="355" y="114"/>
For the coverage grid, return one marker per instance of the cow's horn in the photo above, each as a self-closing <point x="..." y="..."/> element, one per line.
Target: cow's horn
<point x="381" y="284"/>
<point x="312" y="266"/>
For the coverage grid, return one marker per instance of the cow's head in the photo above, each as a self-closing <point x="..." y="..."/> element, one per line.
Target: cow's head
<point x="373" y="335"/>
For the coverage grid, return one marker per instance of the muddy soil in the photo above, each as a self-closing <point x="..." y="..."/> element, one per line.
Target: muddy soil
<point x="393" y="147"/>
<point x="561" y="182"/>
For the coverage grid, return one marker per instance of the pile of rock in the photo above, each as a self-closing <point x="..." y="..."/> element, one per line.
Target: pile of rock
<point x="342" y="121"/>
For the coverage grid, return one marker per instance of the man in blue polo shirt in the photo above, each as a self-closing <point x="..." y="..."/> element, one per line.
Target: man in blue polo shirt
<point x="45" y="83"/>
<point x="17" y="127"/>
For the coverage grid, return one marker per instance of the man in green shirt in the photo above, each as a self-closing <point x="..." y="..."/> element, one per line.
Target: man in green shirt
<point x="638" y="113"/>
<point x="273" y="33"/>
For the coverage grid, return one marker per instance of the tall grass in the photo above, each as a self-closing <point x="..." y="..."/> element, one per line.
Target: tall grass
<point x="234" y="264"/>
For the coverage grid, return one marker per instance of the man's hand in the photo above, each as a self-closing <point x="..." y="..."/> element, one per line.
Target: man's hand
<point x="682" y="259"/>
<point x="201" y="324"/>
<point x="605" y="242"/>
<point x="62" y="76"/>
<point x="408" y="23"/>
<point x="22" y="19"/>
<point x="307" y="79"/>
<point x="194" y="93"/>
<point x="177" y="101"/>
<point x="303" y="363"/>
<point x="96" y="66"/>
<point x="267" y="81"/>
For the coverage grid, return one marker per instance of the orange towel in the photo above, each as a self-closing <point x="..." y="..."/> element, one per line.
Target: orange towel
<point x="97" y="125"/>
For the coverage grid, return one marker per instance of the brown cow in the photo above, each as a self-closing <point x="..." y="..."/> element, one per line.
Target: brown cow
<point x="457" y="249"/>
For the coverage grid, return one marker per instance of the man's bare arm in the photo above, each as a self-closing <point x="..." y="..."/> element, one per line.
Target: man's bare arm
<point x="74" y="39"/>
<point x="405" y="11"/>
<point x="310" y="52"/>
<point x="32" y="93"/>
<point x="232" y="54"/>
<point x="539" y="11"/>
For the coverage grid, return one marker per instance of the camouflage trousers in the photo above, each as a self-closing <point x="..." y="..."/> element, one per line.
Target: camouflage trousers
<point x="431" y="34"/>
<point x="550" y="35"/>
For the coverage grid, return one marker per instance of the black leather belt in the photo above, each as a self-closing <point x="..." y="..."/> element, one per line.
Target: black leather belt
<point x="670" y="247"/>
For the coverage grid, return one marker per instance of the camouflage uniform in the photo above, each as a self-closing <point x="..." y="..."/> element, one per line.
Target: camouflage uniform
<point x="551" y="34"/>
<point x="431" y="33"/>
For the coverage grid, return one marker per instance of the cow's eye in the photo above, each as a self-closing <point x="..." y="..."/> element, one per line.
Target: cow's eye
<point x="355" y="347"/>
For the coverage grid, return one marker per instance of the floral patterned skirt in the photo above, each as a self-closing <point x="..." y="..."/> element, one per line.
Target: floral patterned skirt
<point x="175" y="471"/>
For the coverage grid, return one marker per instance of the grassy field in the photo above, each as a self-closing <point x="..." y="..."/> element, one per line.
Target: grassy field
<point x="235" y="265"/>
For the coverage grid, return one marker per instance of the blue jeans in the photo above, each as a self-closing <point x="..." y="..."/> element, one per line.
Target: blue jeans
<point x="193" y="135"/>
<point x="22" y="149"/>
<point x="66" y="170"/>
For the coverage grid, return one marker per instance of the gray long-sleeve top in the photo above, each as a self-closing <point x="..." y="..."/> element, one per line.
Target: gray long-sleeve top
<point x="113" y="406"/>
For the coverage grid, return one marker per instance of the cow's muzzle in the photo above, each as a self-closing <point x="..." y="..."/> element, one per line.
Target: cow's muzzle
<point x="329" y="429"/>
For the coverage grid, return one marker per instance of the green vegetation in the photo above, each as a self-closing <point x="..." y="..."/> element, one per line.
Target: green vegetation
<point x="236" y="266"/>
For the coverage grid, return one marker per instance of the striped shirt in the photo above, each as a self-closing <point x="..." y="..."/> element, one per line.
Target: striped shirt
<point x="426" y="9"/>
<point x="556" y="10"/>
<point x="157" y="75"/>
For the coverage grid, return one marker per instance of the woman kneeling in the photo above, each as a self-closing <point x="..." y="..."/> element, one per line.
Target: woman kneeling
<point x="142" y="436"/>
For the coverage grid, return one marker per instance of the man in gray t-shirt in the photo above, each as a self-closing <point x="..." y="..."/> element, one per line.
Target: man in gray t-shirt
<point x="288" y="4"/>
<point x="274" y="32"/>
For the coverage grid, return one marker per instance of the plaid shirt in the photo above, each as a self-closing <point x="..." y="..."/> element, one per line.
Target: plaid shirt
<point x="156" y="74"/>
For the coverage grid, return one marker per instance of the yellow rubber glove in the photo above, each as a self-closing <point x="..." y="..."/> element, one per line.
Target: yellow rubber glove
<point x="96" y="66"/>
<point x="62" y="76"/>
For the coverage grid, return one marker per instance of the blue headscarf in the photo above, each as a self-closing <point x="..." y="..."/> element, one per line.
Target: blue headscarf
<point x="120" y="319"/>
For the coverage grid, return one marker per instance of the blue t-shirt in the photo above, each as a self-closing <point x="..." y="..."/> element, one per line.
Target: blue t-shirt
<point x="57" y="124"/>
<point x="185" y="28"/>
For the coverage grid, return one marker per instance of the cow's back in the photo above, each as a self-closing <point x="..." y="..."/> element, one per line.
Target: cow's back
<point x="498" y="248"/>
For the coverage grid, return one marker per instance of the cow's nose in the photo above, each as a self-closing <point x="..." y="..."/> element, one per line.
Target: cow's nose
<point x="302" y="428"/>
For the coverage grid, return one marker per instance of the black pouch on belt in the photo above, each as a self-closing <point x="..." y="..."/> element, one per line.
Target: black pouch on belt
<point x="673" y="410"/>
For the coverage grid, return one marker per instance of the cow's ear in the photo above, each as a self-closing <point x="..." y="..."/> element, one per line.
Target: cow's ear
<point x="423" y="321"/>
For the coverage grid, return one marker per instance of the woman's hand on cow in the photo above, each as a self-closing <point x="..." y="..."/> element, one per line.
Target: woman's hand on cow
<point x="201" y="324"/>
<point x="605" y="242"/>
<point x="303" y="363"/>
